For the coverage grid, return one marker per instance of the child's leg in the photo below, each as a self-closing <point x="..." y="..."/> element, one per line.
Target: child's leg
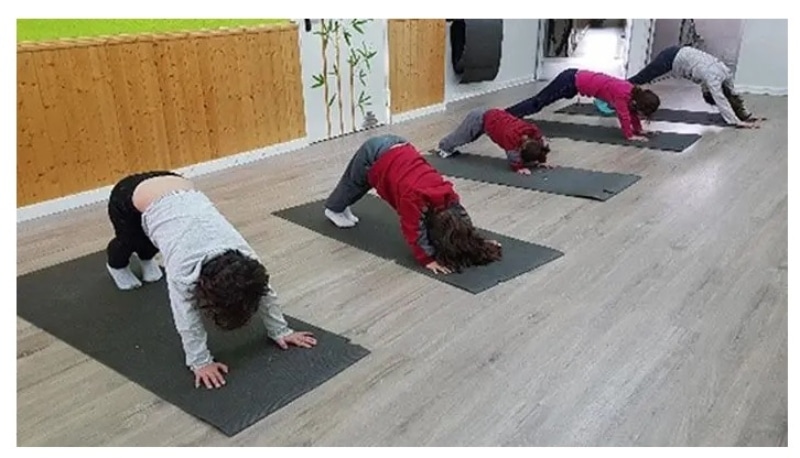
<point x="470" y="129"/>
<point x="146" y="251"/>
<point x="120" y="248"/>
<point x="129" y="236"/>
<point x="562" y="87"/>
<point x="353" y="185"/>
<point x="659" y="67"/>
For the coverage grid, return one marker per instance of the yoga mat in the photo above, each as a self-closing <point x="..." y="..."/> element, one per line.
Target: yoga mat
<point x="378" y="232"/>
<point x="703" y="118"/>
<point x="132" y="332"/>
<point x="664" y="141"/>
<point x="558" y="180"/>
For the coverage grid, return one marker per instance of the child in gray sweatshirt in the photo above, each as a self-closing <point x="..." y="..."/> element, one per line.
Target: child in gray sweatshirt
<point x="210" y="267"/>
<point x="714" y="77"/>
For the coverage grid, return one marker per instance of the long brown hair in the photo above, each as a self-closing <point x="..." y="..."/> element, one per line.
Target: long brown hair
<point x="456" y="243"/>
<point x="644" y="101"/>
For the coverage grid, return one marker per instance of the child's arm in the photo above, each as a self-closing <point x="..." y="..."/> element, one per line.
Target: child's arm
<point x="515" y="160"/>
<point x="625" y="118"/>
<point x="724" y="106"/>
<point x="412" y="225"/>
<point x="277" y="327"/>
<point x="190" y="327"/>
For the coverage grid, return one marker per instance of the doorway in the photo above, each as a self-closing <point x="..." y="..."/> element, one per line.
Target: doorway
<point x="592" y="44"/>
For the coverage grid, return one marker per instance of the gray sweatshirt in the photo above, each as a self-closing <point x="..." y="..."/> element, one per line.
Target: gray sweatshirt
<point x="703" y="68"/>
<point x="188" y="230"/>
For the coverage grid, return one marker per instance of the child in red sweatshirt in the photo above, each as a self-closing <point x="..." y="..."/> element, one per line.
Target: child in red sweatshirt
<point x="629" y="101"/>
<point x="434" y="224"/>
<point x="522" y="141"/>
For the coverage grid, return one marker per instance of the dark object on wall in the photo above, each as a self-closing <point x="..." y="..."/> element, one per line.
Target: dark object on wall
<point x="477" y="47"/>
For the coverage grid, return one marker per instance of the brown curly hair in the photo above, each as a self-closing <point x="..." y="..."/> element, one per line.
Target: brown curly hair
<point x="456" y="243"/>
<point x="644" y="101"/>
<point x="533" y="150"/>
<point x="230" y="287"/>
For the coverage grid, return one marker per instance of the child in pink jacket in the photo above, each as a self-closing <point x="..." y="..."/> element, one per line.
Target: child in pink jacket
<point x="629" y="101"/>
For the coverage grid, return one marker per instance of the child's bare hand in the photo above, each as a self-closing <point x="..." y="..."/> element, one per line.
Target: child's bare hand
<point x="524" y="171"/>
<point x="437" y="268"/>
<point x="543" y="165"/>
<point x="210" y="375"/>
<point x="747" y="125"/>
<point x="302" y="339"/>
<point x="494" y="242"/>
<point x="639" y="138"/>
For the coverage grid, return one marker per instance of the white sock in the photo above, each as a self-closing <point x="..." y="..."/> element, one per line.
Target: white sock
<point x="151" y="272"/>
<point x="339" y="219"/>
<point x="124" y="278"/>
<point x="349" y="215"/>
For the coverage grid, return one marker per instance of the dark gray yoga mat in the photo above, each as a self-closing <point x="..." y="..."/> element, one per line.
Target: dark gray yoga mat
<point x="558" y="180"/>
<point x="132" y="332"/>
<point x="703" y="118"/>
<point x="664" y="141"/>
<point x="378" y="232"/>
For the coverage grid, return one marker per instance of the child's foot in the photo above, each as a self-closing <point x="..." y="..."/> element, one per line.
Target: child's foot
<point x="445" y="154"/>
<point x="339" y="219"/>
<point x="151" y="272"/>
<point x="349" y="215"/>
<point x="124" y="278"/>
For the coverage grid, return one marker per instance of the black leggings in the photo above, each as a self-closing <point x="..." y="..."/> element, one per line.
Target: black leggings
<point x="127" y="222"/>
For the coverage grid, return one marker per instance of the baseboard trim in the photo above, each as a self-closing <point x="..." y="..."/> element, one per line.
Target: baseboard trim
<point x="762" y="90"/>
<point x="505" y="85"/>
<point x="93" y="196"/>
<point x="417" y="113"/>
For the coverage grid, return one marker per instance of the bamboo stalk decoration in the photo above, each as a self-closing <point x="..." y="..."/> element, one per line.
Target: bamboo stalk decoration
<point x="324" y="31"/>
<point x="337" y="26"/>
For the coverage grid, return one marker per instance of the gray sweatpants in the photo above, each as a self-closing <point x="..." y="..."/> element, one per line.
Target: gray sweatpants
<point x="354" y="184"/>
<point x="470" y="129"/>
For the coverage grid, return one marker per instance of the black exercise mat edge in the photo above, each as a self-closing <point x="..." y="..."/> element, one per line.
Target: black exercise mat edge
<point x="474" y="280"/>
<point x="88" y="340"/>
<point x="510" y="179"/>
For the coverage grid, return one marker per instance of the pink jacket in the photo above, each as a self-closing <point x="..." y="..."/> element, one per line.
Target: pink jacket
<point x="614" y="91"/>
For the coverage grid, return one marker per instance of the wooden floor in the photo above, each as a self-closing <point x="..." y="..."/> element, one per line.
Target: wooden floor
<point x="665" y="323"/>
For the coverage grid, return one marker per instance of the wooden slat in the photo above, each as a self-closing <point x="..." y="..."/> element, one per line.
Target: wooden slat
<point x="92" y="111"/>
<point x="416" y="63"/>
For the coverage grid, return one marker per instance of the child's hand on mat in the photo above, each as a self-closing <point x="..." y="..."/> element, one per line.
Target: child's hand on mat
<point x="437" y="268"/>
<point x="302" y="339"/>
<point x="747" y="125"/>
<point x="494" y="242"/>
<point x="210" y="375"/>
<point x="524" y="171"/>
<point x="543" y="165"/>
<point x="639" y="138"/>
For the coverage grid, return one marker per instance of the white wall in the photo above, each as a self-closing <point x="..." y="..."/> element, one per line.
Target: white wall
<point x="763" y="65"/>
<point x="517" y="64"/>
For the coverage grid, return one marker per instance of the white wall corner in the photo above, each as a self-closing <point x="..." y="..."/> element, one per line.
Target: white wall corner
<point x="82" y="199"/>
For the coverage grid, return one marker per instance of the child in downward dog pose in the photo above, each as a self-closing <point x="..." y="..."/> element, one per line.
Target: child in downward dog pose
<point x="522" y="141"/>
<point x="715" y="78"/>
<point x="432" y="220"/>
<point x="629" y="101"/>
<point x="210" y="267"/>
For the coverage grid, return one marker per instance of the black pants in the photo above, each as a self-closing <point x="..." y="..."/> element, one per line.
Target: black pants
<point x="660" y="66"/>
<point x="129" y="237"/>
<point x="562" y="87"/>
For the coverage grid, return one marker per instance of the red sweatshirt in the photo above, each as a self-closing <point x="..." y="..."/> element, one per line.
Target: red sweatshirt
<point x="410" y="185"/>
<point x="506" y="131"/>
<point x="614" y="91"/>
